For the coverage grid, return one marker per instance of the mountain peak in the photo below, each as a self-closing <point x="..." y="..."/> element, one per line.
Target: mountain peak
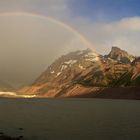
<point x="115" y="48"/>
<point x="120" y="55"/>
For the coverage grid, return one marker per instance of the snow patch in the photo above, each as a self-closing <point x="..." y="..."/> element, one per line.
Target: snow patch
<point x="70" y="62"/>
<point x="63" y="67"/>
<point x="58" y="74"/>
<point x="52" y="72"/>
<point x="92" y="59"/>
<point x="91" y="54"/>
<point x="81" y="67"/>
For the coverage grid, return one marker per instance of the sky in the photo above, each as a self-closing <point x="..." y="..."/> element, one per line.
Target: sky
<point x="108" y="10"/>
<point x="29" y="44"/>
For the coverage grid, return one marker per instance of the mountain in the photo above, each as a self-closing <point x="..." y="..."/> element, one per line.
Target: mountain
<point x="86" y="73"/>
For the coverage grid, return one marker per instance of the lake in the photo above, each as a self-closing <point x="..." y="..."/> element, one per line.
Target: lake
<point x="70" y="119"/>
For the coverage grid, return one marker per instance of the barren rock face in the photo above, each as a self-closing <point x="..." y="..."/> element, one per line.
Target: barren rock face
<point x="120" y="55"/>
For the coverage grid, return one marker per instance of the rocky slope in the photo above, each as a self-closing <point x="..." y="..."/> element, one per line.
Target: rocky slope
<point x="86" y="73"/>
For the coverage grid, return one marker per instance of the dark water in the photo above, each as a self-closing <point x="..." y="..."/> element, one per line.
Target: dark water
<point x="70" y="119"/>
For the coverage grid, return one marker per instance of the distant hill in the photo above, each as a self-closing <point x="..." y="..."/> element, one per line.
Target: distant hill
<point x="88" y="73"/>
<point x="5" y="86"/>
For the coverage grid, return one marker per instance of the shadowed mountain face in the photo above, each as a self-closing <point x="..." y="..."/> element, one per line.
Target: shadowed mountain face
<point x="82" y="72"/>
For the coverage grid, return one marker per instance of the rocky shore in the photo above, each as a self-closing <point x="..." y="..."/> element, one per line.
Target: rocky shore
<point x="3" y="136"/>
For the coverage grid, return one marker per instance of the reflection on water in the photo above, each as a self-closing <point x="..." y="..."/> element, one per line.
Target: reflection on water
<point x="70" y="119"/>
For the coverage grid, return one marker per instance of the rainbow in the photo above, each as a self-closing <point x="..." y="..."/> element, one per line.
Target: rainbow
<point x="65" y="26"/>
<point x="62" y="24"/>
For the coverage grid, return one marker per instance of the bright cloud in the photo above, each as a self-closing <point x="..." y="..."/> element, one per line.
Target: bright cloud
<point x="123" y="33"/>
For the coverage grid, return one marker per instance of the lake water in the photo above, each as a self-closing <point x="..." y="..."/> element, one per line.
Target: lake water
<point x="70" y="119"/>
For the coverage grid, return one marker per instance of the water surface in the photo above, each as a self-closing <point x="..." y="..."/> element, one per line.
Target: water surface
<point x="71" y="119"/>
